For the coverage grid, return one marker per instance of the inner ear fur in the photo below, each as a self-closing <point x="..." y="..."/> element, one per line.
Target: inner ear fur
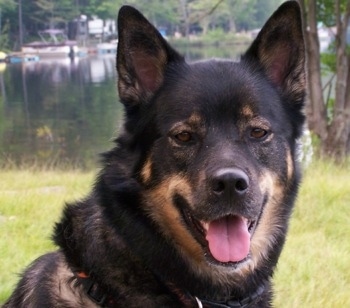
<point x="280" y="50"/>
<point x="142" y="57"/>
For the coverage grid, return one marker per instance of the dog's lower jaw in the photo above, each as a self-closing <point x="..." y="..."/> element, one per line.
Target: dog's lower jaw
<point x="199" y="231"/>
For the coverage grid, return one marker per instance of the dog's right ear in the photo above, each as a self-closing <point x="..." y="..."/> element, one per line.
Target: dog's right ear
<point x="142" y="57"/>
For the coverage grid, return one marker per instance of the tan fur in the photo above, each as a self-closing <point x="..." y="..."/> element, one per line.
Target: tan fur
<point x="247" y="112"/>
<point x="195" y="120"/>
<point x="62" y="284"/>
<point x="269" y="222"/>
<point x="290" y="164"/>
<point x="163" y="211"/>
<point x="146" y="171"/>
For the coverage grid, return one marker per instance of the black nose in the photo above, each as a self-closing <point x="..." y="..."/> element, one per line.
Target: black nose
<point x="230" y="183"/>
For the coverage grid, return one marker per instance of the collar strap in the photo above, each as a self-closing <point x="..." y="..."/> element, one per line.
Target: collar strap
<point x="245" y="302"/>
<point x="94" y="291"/>
<point x="101" y="298"/>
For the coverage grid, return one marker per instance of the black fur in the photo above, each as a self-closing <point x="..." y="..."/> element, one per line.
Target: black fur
<point x="201" y="142"/>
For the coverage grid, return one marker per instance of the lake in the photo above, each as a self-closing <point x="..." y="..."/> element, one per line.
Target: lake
<point x="63" y="112"/>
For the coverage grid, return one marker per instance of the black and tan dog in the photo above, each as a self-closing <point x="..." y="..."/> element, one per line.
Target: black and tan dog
<point x="192" y="205"/>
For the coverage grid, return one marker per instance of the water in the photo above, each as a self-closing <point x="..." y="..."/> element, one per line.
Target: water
<point x="61" y="112"/>
<point x="54" y="112"/>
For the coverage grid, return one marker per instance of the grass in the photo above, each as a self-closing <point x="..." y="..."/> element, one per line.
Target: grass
<point x="314" y="267"/>
<point x="313" y="270"/>
<point x="30" y="204"/>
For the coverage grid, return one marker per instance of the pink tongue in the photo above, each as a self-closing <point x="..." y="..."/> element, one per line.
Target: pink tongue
<point x="229" y="239"/>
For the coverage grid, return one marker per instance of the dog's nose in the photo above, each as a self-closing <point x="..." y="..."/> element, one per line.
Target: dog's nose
<point x="230" y="183"/>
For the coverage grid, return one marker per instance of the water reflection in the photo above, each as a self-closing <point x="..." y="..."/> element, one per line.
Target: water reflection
<point x="54" y="112"/>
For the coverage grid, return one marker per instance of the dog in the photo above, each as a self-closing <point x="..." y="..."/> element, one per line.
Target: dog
<point x="191" y="207"/>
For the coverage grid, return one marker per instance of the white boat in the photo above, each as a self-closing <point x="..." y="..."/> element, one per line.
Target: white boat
<point x="107" y="48"/>
<point x="54" y="44"/>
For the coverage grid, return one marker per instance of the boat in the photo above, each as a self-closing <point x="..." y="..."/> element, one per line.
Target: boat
<point x="106" y="48"/>
<point x="54" y="44"/>
<point x="21" y="58"/>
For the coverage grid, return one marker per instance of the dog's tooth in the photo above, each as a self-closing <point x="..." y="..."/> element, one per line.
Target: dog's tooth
<point x="246" y="220"/>
<point x="205" y="225"/>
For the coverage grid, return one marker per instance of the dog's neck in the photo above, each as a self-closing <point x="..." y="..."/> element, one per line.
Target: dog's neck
<point x="232" y="303"/>
<point x="102" y="298"/>
<point x="195" y="301"/>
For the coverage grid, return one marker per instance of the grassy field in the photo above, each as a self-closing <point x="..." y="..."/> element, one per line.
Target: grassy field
<point x="30" y="204"/>
<point x="314" y="270"/>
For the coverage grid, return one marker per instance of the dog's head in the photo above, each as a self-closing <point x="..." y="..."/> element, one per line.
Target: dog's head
<point x="213" y="145"/>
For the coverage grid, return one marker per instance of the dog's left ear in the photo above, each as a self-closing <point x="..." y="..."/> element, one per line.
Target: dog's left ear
<point x="280" y="50"/>
<point x="142" y="57"/>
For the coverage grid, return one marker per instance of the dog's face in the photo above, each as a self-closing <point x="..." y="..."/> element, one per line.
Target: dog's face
<point x="214" y="143"/>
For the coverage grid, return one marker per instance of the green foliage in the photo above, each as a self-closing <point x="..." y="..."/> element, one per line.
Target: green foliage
<point x="244" y="13"/>
<point x="219" y="37"/>
<point x="326" y="11"/>
<point x="7" y="5"/>
<point x="6" y="8"/>
<point x="4" y="37"/>
<point x="329" y="61"/>
<point x="217" y="34"/>
<point x="103" y="9"/>
<point x="264" y="10"/>
<point x="230" y="15"/>
<point x="51" y="12"/>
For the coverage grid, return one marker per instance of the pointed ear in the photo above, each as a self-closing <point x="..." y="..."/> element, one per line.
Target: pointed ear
<point x="142" y="57"/>
<point x="280" y="50"/>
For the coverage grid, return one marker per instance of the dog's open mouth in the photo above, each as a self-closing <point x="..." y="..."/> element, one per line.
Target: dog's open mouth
<point x="226" y="239"/>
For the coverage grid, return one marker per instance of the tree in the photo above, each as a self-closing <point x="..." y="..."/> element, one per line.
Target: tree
<point x="330" y="123"/>
<point x="243" y="13"/>
<point x="7" y="7"/>
<point x="263" y="11"/>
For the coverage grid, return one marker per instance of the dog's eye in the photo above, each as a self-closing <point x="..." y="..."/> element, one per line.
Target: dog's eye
<point x="258" y="133"/>
<point x="183" y="137"/>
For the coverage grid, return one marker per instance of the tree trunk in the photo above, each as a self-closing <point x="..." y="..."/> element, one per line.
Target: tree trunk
<point x="185" y="23"/>
<point x="232" y="24"/>
<point x="333" y="129"/>
<point x="347" y="107"/>
<point x="315" y="108"/>
<point x="336" y="144"/>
